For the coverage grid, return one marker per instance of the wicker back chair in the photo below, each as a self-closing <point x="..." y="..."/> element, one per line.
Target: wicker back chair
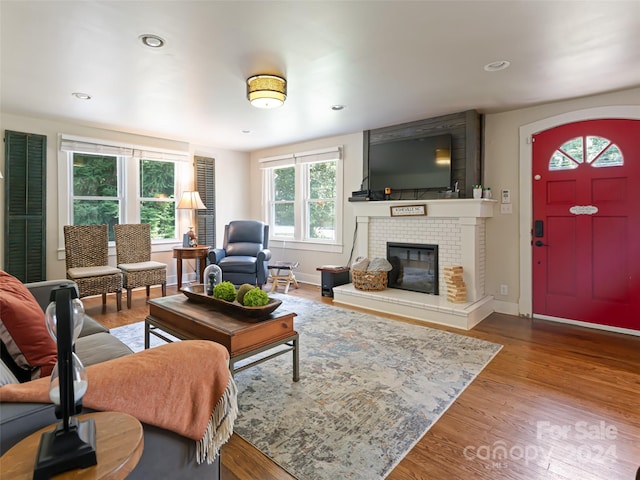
<point x="133" y="253"/>
<point x="87" y="260"/>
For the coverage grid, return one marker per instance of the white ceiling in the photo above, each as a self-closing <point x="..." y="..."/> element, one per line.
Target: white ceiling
<point x="388" y="62"/>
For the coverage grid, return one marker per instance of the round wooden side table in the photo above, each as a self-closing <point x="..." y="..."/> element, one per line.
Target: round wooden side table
<point x="183" y="253"/>
<point x="119" y="445"/>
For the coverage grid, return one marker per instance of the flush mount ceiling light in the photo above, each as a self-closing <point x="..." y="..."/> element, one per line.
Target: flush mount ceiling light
<point x="151" y="41"/>
<point x="266" y="91"/>
<point x="337" y="108"/>
<point x="497" y="66"/>
<point x="81" y="96"/>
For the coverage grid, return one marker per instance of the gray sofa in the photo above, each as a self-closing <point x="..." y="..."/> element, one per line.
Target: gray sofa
<point x="166" y="454"/>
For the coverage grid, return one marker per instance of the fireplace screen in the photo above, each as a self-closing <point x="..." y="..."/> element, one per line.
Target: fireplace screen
<point x="415" y="267"/>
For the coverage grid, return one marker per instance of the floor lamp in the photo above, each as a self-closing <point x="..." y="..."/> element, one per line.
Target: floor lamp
<point x="190" y="201"/>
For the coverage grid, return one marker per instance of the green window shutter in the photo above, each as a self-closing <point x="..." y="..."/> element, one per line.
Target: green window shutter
<point x="25" y="205"/>
<point x="205" y="173"/>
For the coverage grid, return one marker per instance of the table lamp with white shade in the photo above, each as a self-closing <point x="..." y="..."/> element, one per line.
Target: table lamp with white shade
<point x="190" y="201"/>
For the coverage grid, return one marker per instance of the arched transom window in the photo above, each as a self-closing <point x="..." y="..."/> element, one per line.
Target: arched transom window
<point x="589" y="150"/>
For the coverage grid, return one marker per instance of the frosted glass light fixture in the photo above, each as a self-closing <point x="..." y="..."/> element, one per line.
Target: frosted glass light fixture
<point x="266" y="91"/>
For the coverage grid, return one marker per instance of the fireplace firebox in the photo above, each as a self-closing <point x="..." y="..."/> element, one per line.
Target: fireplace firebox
<point x="414" y="267"/>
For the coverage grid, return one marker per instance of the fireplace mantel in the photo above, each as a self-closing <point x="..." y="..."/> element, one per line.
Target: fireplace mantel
<point x="460" y="223"/>
<point x="451" y="207"/>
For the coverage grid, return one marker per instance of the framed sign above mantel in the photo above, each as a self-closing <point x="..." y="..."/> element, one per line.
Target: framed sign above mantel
<point x="408" y="210"/>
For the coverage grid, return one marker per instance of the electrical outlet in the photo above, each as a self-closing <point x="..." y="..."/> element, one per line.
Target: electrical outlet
<point x="506" y="208"/>
<point x="504" y="289"/>
<point x="505" y="197"/>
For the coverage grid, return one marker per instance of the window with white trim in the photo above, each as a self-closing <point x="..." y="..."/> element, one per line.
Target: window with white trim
<point x="303" y="197"/>
<point x="111" y="184"/>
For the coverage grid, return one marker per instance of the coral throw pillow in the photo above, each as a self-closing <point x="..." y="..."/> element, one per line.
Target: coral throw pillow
<point x="23" y="330"/>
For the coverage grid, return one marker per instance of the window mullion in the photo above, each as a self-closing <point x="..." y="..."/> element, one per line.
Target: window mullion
<point x="127" y="189"/>
<point x="301" y="204"/>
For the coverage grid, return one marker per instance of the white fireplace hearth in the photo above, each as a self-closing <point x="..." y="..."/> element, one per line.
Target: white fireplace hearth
<point x="457" y="226"/>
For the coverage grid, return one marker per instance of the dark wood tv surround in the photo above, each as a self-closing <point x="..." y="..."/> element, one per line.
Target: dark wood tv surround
<point x="465" y="129"/>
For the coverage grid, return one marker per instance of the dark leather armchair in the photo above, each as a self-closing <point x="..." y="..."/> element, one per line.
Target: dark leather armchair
<point x="244" y="256"/>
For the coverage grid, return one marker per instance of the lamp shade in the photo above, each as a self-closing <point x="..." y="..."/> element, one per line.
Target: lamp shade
<point x="266" y="91"/>
<point x="191" y="201"/>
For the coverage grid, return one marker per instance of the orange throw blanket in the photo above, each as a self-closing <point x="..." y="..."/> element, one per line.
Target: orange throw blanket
<point x="185" y="387"/>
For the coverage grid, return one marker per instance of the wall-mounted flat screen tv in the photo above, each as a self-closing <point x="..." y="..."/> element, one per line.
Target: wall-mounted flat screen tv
<point x="411" y="164"/>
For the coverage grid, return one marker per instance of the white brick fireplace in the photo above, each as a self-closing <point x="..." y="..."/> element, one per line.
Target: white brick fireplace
<point x="457" y="226"/>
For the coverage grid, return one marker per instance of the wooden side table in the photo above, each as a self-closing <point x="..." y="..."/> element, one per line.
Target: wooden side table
<point x="183" y="253"/>
<point x="285" y="279"/>
<point x="119" y="445"/>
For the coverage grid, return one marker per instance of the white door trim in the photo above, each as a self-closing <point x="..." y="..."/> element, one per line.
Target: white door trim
<point x="631" y="112"/>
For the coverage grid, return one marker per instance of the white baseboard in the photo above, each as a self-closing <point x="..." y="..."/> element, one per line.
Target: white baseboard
<point x="509" y="308"/>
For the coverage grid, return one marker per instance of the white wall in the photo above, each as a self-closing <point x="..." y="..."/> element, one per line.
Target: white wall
<point x="231" y="168"/>
<point x="352" y="161"/>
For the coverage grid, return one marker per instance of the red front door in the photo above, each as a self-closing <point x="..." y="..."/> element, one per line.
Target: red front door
<point x="586" y="231"/>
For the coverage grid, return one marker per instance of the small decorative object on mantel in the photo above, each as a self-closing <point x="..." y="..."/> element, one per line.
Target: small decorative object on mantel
<point x="408" y="210"/>
<point x="456" y="289"/>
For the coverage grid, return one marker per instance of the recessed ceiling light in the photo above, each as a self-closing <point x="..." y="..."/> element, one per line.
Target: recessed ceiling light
<point x="81" y="96"/>
<point x="497" y="66"/>
<point x="246" y="131"/>
<point x="152" y="41"/>
<point x="337" y="107"/>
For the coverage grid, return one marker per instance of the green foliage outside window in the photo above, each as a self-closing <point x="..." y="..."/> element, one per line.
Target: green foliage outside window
<point x="284" y="185"/>
<point x="322" y="205"/>
<point x="96" y="199"/>
<point x="319" y="197"/>
<point x="162" y="218"/>
<point x="95" y="176"/>
<point x="157" y="179"/>
<point x="97" y="212"/>
<point x="157" y="187"/>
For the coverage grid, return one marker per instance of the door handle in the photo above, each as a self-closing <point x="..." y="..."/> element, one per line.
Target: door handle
<point x="540" y="244"/>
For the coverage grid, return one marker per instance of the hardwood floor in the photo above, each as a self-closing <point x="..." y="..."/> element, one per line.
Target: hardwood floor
<point x="557" y="402"/>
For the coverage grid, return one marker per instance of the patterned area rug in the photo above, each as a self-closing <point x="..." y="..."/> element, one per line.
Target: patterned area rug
<point x="369" y="389"/>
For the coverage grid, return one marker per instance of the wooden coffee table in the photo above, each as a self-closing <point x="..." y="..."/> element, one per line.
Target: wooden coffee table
<point x="242" y="337"/>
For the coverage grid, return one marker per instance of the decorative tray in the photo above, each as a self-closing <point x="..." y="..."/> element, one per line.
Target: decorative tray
<point x="197" y="294"/>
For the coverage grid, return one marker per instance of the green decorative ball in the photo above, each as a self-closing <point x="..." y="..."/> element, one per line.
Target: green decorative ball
<point x="256" y="297"/>
<point x="225" y="291"/>
<point x="244" y="288"/>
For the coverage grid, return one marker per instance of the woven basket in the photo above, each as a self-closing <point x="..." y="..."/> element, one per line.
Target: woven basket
<point x="369" y="280"/>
